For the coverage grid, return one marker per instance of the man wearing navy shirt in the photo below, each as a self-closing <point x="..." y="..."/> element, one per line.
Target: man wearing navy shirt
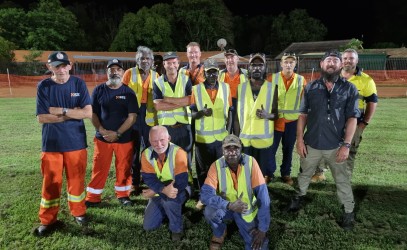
<point x="62" y="103"/>
<point x="115" y="110"/>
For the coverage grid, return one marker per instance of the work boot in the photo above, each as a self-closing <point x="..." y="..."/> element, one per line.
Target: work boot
<point x="296" y="203"/>
<point x="44" y="230"/>
<point x="268" y="179"/>
<point x="81" y="220"/>
<point x="348" y="221"/>
<point x="287" y="180"/>
<point x="177" y="236"/>
<point x="199" y="205"/>
<point x="318" y="177"/>
<point x="217" y="242"/>
<point x="125" y="201"/>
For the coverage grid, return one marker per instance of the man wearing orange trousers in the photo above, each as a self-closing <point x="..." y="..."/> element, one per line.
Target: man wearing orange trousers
<point x="62" y="103"/>
<point x="115" y="110"/>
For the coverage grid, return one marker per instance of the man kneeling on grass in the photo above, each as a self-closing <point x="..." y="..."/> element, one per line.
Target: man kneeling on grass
<point x="164" y="170"/>
<point x="235" y="190"/>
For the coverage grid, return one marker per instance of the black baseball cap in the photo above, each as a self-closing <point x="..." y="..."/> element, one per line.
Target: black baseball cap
<point x="57" y="58"/>
<point x="170" y="55"/>
<point x="114" y="62"/>
<point x="333" y="53"/>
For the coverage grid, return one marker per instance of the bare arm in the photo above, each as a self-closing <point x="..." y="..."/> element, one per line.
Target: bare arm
<point x="182" y="101"/>
<point x="369" y="112"/>
<point x="161" y="105"/>
<point x="56" y="114"/>
<point x="301" y="148"/>
<point x="343" y="152"/>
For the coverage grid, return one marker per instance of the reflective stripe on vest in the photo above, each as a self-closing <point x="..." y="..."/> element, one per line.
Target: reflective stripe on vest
<point x="289" y="100"/>
<point x="255" y="132"/>
<point x="136" y="83"/>
<point x="212" y="128"/>
<point x="167" y="171"/>
<point x="180" y="115"/>
<point x="244" y="185"/>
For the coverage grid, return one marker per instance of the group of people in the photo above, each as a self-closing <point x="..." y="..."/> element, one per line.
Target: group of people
<point x="234" y="118"/>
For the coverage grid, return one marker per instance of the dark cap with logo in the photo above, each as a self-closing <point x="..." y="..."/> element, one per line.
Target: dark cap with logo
<point x="257" y="55"/>
<point x="113" y="62"/>
<point x="333" y="53"/>
<point x="57" y="58"/>
<point x="210" y="64"/>
<point x="231" y="52"/>
<point x="231" y="140"/>
<point x="170" y="55"/>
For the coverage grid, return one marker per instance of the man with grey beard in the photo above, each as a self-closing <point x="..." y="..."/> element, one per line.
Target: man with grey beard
<point x="115" y="111"/>
<point x="328" y="115"/>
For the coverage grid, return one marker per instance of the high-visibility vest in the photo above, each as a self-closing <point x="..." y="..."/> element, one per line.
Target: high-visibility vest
<point x="289" y="100"/>
<point x="243" y="75"/>
<point x="254" y="131"/>
<point x="167" y="171"/>
<point x="181" y="115"/>
<point x="211" y="128"/>
<point x="244" y="180"/>
<point x="136" y="84"/>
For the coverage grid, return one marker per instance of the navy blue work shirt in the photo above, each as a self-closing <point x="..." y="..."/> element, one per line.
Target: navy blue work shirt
<point x="327" y="112"/>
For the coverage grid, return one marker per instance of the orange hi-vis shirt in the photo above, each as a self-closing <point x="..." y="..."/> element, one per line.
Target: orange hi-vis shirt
<point x="233" y="83"/>
<point x="145" y="86"/>
<point x="197" y="76"/>
<point x="212" y="94"/>
<point x="181" y="163"/>
<point x="257" y="176"/>
<point x="279" y="124"/>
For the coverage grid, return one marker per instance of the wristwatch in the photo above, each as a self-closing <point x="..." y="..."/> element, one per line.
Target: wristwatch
<point x="118" y="134"/>
<point x="346" y="145"/>
<point x="364" y="122"/>
<point x="64" y="111"/>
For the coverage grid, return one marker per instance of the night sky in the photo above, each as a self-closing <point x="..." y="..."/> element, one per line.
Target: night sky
<point x="379" y="21"/>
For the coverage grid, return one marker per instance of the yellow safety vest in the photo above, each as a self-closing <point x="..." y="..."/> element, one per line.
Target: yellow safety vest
<point x="244" y="186"/>
<point x="254" y="131"/>
<point x="289" y="100"/>
<point x="181" y="115"/>
<point x="167" y="172"/>
<point x="211" y="128"/>
<point x="136" y="84"/>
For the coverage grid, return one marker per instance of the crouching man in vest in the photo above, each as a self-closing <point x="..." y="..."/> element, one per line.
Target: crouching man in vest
<point x="235" y="190"/>
<point x="164" y="169"/>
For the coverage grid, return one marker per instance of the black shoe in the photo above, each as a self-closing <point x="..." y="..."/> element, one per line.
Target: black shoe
<point x="125" y="201"/>
<point x="81" y="220"/>
<point x="44" y="230"/>
<point x="348" y="221"/>
<point x="89" y="204"/>
<point x="177" y="236"/>
<point x="295" y="204"/>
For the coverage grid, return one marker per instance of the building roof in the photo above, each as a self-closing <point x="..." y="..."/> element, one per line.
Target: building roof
<point x="315" y="49"/>
<point x="309" y="48"/>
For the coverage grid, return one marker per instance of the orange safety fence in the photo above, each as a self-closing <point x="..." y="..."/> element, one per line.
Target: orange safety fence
<point x="27" y="81"/>
<point x="92" y="80"/>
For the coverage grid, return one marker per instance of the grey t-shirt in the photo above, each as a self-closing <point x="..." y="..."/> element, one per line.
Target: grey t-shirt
<point x="327" y="112"/>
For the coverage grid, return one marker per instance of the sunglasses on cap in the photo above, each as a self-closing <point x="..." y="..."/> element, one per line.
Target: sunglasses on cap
<point x="289" y="54"/>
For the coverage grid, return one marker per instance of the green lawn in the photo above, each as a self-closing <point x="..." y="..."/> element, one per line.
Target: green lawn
<point x="379" y="183"/>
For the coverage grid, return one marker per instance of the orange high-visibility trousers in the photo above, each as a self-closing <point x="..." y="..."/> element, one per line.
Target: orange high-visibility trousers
<point x="53" y="165"/>
<point x="102" y="159"/>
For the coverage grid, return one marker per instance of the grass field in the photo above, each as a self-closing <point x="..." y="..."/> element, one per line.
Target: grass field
<point x="379" y="184"/>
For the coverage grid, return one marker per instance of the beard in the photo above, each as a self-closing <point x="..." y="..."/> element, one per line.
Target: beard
<point x="330" y="76"/>
<point x="114" y="80"/>
<point x="257" y="75"/>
